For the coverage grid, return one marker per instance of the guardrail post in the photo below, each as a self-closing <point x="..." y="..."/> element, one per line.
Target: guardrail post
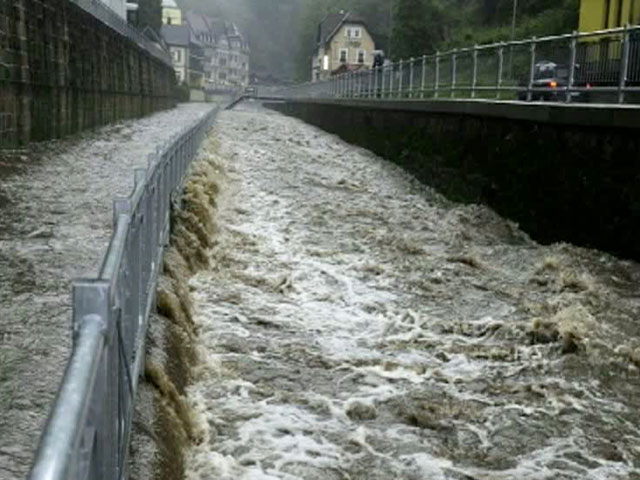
<point x="500" y="67"/>
<point x="474" y="80"/>
<point x="391" y="81"/>
<point x="532" y="68"/>
<point x="572" y="66"/>
<point x="624" y="64"/>
<point x="423" y="75"/>
<point x="400" y="78"/>
<point x="350" y="83"/>
<point x="375" y="81"/>
<point x="92" y="299"/>
<point x="453" y="72"/>
<point x="411" y="64"/>
<point x="437" y="81"/>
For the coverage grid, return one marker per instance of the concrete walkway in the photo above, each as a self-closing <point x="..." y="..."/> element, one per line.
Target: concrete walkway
<point x="55" y="224"/>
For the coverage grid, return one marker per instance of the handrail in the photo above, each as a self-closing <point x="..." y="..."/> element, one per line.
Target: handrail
<point x="87" y="434"/>
<point x="603" y="64"/>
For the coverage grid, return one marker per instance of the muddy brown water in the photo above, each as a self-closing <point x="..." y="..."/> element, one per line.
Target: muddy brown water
<point x="357" y="325"/>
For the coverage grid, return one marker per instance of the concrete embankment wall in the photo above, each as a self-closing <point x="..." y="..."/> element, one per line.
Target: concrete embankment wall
<point x="564" y="173"/>
<point x="62" y="70"/>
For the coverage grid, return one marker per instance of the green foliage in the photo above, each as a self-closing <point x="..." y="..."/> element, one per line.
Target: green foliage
<point x="416" y="28"/>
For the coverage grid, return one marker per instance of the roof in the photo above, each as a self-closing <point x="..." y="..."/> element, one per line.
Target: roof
<point x="176" y="35"/>
<point x="331" y="24"/>
<point x="198" y="23"/>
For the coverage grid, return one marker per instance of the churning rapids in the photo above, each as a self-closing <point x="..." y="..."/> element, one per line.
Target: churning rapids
<point x="356" y="325"/>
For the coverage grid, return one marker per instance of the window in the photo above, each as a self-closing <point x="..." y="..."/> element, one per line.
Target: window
<point x="362" y="56"/>
<point x="353" y="33"/>
<point x="344" y="55"/>
<point x="177" y="55"/>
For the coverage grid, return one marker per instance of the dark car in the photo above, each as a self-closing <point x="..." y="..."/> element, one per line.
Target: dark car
<point x="550" y="81"/>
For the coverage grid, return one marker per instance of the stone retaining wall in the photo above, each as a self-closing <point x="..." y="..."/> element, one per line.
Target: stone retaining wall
<point x="563" y="173"/>
<point x="63" y="70"/>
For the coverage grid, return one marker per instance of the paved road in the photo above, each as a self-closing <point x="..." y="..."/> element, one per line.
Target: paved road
<point x="55" y="222"/>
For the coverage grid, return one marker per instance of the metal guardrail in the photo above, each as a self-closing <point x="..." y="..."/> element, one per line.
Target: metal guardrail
<point x="87" y="434"/>
<point x="602" y="65"/>
<point x="120" y="25"/>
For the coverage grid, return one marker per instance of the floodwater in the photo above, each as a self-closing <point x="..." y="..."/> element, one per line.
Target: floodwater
<point x="357" y="325"/>
<point x="55" y="225"/>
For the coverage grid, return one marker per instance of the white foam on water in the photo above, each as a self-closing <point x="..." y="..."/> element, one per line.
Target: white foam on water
<point x="355" y="324"/>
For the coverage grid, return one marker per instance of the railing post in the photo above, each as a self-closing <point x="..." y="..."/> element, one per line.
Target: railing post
<point x="437" y="81"/>
<point x="401" y="77"/>
<point x="453" y="73"/>
<point x="391" y="80"/>
<point x="572" y="66"/>
<point x="500" y="67"/>
<point x="352" y="84"/>
<point x="474" y="80"/>
<point x="423" y="75"/>
<point x="532" y="68"/>
<point x="375" y="81"/>
<point x="370" y="90"/>
<point x="624" y="64"/>
<point x="411" y="65"/>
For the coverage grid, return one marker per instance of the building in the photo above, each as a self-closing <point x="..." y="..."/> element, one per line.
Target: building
<point x="187" y="52"/>
<point x="177" y="38"/>
<point x="171" y="13"/>
<point x="118" y="6"/>
<point x="207" y="53"/>
<point x="343" y="43"/>
<point x="604" y="14"/>
<point x="225" y="51"/>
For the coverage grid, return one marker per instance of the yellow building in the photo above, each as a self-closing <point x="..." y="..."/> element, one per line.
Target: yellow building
<point x="604" y="14"/>
<point x="343" y="44"/>
<point x="171" y="13"/>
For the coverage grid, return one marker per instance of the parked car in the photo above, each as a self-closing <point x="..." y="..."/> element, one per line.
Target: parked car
<point x="251" y="91"/>
<point x="550" y="81"/>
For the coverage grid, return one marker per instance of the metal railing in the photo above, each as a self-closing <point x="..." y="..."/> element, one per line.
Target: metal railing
<point x="87" y="434"/>
<point x="120" y="25"/>
<point x="602" y="65"/>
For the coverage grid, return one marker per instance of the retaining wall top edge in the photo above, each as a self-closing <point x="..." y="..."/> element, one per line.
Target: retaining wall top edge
<point x="593" y="115"/>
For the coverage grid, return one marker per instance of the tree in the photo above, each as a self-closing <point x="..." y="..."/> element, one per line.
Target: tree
<point x="416" y="28"/>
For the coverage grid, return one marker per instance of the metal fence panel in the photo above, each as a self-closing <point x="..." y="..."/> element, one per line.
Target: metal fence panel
<point x="87" y="434"/>
<point x="602" y="65"/>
